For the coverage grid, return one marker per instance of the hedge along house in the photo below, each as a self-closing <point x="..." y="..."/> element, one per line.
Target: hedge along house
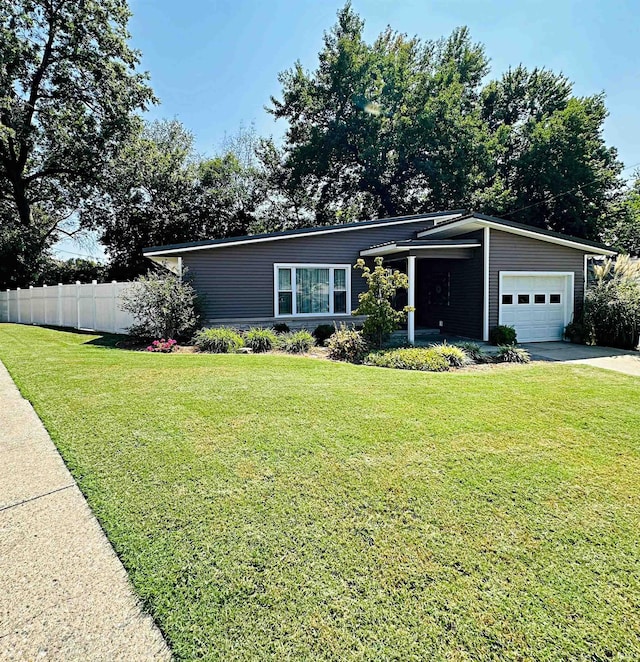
<point x="467" y="273"/>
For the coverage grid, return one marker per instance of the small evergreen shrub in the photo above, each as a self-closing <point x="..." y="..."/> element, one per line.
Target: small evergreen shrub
<point x="502" y="335"/>
<point x="323" y="332"/>
<point x="347" y="345"/>
<point x="218" y="340"/>
<point x="296" y="342"/>
<point x="281" y="327"/>
<point x="260" y="340"/>
<point x="409" y="358"/>
<point x="512" y="354"/>
<point x="473" y="351"/>
<point x="456" y="357"/>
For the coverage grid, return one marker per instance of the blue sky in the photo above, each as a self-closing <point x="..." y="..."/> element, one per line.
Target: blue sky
<point x="215" y="63"/>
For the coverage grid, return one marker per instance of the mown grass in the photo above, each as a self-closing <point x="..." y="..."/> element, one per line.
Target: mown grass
<point x="277" y="507"/>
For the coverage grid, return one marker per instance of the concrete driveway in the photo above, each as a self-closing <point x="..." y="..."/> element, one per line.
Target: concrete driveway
<point x="620" y="360"/>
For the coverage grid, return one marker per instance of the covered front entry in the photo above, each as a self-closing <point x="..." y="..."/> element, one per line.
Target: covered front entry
<point x="537" y="304"/>
<point x="445" y="283"/>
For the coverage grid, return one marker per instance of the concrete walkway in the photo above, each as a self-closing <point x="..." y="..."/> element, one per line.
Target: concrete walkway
<point x="64" y="594"/>
<point x="620" y="360"/>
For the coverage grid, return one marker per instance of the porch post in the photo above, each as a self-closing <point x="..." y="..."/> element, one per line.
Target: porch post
<point x="411" y="316"/>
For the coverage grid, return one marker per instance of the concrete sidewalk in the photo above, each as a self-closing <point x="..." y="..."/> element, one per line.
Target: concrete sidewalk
<point x="64" y="594"/>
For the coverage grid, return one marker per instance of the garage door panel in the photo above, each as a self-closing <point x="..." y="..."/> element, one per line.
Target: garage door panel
<point x="528" y="305"/>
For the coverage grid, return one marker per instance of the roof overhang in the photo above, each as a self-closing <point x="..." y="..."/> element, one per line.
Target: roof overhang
<point x="416" y="247"/>
<point x="176" y="249"/>
<point x="473" y="222"/>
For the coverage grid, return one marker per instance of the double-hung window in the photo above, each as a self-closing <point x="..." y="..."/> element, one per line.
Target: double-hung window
<point x="312" y="289"/>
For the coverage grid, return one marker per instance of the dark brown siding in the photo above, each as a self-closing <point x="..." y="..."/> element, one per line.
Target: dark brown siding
<point x="236" y="282"/>
<point x="511" y="252"/>
<point x="463" y="315"/>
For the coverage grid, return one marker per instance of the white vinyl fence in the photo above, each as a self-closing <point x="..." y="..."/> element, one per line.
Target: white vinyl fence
<point x="90" y="306"/>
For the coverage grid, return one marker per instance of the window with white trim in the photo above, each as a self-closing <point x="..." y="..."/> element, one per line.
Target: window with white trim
<point x="312" y="289"/>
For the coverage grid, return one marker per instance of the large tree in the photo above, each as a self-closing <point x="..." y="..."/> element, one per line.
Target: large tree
<point x="624" y="232"/>
<point x="387" y="128"/>
<point x="157" y="191"/>
<point x="69" y="89"/>
<point x="403" y="125"/>
<point x="550" y="166"/>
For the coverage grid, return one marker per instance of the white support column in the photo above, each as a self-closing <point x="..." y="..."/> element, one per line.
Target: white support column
<point x="30" y="304"/>
<point x="8" y="305"/>
<point x="45" y="300"/>
<point x="486" y="249"/>
<point x="18" y="305"/>
<point x="411" y="316"/>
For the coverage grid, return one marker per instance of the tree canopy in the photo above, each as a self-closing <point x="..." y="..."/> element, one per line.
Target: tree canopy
<point x="69" y="89"/>
<point x="404" y="125"/>
<point x="399" y="125"/>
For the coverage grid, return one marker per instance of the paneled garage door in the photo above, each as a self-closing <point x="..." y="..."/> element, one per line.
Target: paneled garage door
<point x="539" y="306"/>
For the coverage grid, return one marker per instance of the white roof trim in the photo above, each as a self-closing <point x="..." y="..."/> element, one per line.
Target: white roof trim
<point x="387" y="249"/>
<point x="241" y="242"/>
<point x="519" y="231"/>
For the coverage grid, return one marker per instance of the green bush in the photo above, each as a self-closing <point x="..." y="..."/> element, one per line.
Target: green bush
<point x="281" y="327"/>
<point x="162" y="306"/>
<point x="409" y="358"/>
<point x="323" y="332"/>
<point x="575" y="332"/>
<point x="473" y="351"/>
<point x="512" y="354"/>
<point x="612" y="305"/>
<point x="502" y="335"/>
<point x="456" y="357"/>
<point x="218" y="340"/>
<point x="260" y="340"/>
<point x="377" y="302"/>
<point x="347" y="345"/>
<point x="296" y="342"/>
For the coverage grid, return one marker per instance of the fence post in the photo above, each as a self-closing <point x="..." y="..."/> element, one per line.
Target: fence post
<point x="8" y="306"/>
<point x="77" y="304"/>
<point x="59" y="307"/>
<point x="18" y="304"/>
<point x="114" y="305"/>
<point x="30" y="304"/>
<point x="44" y="303"/>
<point x="94" y="306"/>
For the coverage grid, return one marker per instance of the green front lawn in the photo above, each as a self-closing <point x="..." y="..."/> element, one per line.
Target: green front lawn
<point x="278" y="507"/>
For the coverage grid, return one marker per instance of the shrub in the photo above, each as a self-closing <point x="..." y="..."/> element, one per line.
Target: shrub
<point x="473" y="351"/>
<point x="409" y="358"/>
<point x="512" y="354"/>
<point x="347" y="345"/>
<point x="376" y="303"/>
<point x="502" y="335"/>
<point x="612" y="305"/>
<point x="162" y="345"/>
<point x="296" y="342"/>
<point x="281" y="327"/>
<point x="218" y="340"/>
<point x="575" y="332"/>
<point x="261" y="340"/>
<point x="162" y="305"/>
<point x="323" y="332"/>
<point x="456" y="357"/>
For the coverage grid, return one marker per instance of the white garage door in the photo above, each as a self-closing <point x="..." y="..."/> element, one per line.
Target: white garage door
<point x="538" y="306"/>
